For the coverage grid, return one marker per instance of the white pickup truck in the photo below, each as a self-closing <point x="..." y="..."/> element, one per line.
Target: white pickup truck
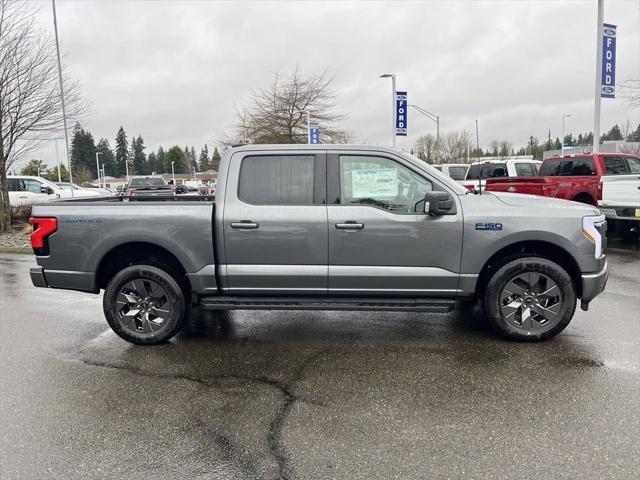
<point x="620" y="201"/>
<point x="25" y="190"/>
<point x="479" y="171"/>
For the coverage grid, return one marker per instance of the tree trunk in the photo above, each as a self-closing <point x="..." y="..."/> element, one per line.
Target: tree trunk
<point x="5" y="207"/>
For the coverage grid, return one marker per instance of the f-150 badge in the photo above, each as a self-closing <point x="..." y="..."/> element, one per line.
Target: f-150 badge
<point x="488" y="226"/>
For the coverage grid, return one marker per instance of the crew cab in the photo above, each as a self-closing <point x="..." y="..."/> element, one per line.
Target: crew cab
<point x="324" y="227"/>
<point x="480" y="171"/>
<point x="577" y="177"/>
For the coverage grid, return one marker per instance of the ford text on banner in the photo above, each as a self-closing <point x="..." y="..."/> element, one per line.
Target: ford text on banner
<point x="401" y="114"/>
<point x="314" y="133"/>
<point x="608" y="61"/>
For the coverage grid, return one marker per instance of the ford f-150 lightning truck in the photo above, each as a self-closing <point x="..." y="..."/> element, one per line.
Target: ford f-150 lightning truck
<point x="324" y="227"/>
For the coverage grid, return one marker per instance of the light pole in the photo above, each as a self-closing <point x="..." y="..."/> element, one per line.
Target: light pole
<point x="598" y="92"/>
<point x="431" y="116"/>
<point x="104" y="178"/>
<point x="564" y="117"/>
<point x="308" y="124"/>
<point x="392" y="76"/>
<point x="98" y="167"/>
<point x="173" y="174"/>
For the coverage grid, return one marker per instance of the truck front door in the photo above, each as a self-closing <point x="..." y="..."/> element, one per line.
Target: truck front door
<point x="275" y="224"/>
<point x="380" y="240"/>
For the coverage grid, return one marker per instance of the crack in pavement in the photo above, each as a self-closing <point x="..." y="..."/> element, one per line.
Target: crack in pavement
<point x="285" y="388"/>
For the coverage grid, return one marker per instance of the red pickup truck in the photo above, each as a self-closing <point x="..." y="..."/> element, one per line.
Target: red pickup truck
<point x="573" y="177"/>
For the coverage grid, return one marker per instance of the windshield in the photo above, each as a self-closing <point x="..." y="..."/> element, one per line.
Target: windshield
<point x="488" y="170"/>
<point x="147" y="182"/>
<point x="449" y="182"/>
<point x="64" y="186"/>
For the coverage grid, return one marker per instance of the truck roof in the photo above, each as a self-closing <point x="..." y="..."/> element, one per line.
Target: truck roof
<point x="321" y="146"/>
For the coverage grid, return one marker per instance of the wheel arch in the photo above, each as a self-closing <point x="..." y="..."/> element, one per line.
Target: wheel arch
<point x="527" y="248"/>
<point x="583" y="195"/>
<point x="139" y="252"/>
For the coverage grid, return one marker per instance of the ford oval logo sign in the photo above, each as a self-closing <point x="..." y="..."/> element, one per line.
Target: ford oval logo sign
<point x="512" y="189"/>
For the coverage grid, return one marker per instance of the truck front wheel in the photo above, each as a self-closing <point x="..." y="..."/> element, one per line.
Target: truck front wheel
<point x="530" y="299"/>
<point x="144" y="305"/>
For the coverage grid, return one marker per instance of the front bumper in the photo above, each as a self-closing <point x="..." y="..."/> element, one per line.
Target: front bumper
<point x="592" y="285"/>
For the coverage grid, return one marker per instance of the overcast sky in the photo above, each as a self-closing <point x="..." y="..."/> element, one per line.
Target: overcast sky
<point x="172" y="71"/>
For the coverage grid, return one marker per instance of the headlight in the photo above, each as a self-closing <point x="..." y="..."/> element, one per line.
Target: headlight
<point x="595" y="229"/>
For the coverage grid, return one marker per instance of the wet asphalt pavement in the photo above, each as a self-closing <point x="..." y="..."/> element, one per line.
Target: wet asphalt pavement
<point x="316" y="394"/>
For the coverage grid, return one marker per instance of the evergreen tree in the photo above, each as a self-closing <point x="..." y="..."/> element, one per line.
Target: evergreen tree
<point x="152" y="162"/>
<point x="203" y="163"/>
<point x="635" y="135"/>
<point x="160" y="161"/>
<point x="557" y="145"/>
<point x="106" y="157"/>
<point x="194" y="160"/>
<point x="215" y="160"/>
<point x="614" y="134"/>
<point x="139" y="158"/>
<point x="122" y="153"/>
<point x="34" y="168"/>
<point x="83" y="150"/>
<point x="179" y="159"/>
<point x="52" y="174"/>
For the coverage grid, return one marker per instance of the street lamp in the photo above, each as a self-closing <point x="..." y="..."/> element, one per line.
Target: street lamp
<point x="392" y="76"/>
<point x="104" y="178"/>
<point x="173" y="174"/>
<point x="431" y="116"/>
<point x="98" y="167"/>
<point x="308" y="124"/>
<point x="564" y="116"/>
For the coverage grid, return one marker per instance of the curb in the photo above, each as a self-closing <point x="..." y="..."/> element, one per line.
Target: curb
<point x="21" y="250"/>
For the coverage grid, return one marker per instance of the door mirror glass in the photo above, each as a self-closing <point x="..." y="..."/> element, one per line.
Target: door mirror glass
<point x="437" y="203"/>
<point x="45" y="189"/>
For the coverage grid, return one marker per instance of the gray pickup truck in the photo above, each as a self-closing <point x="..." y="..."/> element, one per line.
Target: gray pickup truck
<point x="325" y="227"/>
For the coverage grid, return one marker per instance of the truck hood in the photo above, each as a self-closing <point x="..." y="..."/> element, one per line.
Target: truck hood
<point x="535" y="201"/>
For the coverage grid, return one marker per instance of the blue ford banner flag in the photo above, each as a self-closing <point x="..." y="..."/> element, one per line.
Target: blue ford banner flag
<point x="608" y="61"/>
<point x="401" y="114"/>
<point x="314" y="133"/>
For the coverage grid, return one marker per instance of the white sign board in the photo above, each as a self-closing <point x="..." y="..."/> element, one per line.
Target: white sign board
<point x="374" y="182"/>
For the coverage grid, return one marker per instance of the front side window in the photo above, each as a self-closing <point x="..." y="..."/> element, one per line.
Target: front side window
<point x="382" y="183"/>
<point x="573" y="167"/>
<point x="634" y="164"/>
<point x="525" y="170"/>
<point x="32" y="185"/>
<point x="277" y="180"/>
<point x="615" y="165"/>
<point x="16" y="185"/>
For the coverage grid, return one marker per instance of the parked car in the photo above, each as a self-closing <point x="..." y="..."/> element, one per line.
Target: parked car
<point x="98" y="192"/>
<point x="573" y="177"/>
<point x="325" y="227"/>
<point x="148" y="186"/>
<point x="479" y="172"/>
<point x="457" y="171"/>
<point x="28" y="189"/>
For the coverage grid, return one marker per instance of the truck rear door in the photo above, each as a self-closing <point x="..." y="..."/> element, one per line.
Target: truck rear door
<point x="275" y="223"/>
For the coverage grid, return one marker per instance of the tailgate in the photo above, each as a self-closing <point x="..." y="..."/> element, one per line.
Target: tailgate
<point x="621" y="190"/>
<point x="528" y="185"/>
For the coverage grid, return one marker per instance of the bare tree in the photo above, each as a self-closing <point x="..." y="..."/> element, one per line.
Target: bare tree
<point x="454" y="147"/>
<point x="30" y="107"/>
<point x="425" y="148"/>
<point x="274" y="115"/>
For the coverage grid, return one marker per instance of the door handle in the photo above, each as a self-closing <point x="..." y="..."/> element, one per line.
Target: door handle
<point x="350" y="225"/>
<point x="245" y="224"/>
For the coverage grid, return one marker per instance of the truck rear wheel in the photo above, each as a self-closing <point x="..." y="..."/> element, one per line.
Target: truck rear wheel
<point x="144" y="305"/>
<point x="530" y="299"/>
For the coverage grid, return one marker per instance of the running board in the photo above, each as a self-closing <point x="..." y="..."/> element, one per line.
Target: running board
<point x="223" y="302"/>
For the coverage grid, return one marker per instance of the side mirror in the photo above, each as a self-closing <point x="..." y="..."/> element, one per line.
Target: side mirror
<point x="45" y="189"/>
<point x="437" y="203"/>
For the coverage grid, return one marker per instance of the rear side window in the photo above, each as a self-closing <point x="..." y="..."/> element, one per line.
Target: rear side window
<point x="147" y="182"/>
<point x="457" y="173"/>
<point x="277" y="180"/>
<point x="16" y="185"/>
<point x="568" y="167"/>
<point x="488" y="170"/>
<point x="525" y="170"/>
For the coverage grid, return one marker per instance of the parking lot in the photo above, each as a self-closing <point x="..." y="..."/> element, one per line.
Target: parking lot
<point x="317" y="394"/>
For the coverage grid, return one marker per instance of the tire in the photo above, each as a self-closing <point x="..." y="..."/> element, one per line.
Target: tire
<point x="530" y="299"/>
<point x="144" y="304"/>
